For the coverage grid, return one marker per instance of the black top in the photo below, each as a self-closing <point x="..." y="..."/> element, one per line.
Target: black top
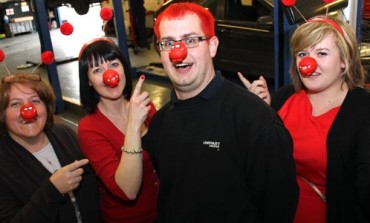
<point x="222" y="156"/>
<point x="348" y="155"/>
<point x="27" y="194"/>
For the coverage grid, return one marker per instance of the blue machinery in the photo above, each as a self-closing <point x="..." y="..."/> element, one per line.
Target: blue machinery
<point x="45" y="40"/>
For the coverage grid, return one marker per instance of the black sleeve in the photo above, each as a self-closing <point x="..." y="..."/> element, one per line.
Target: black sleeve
<point x="279" y="97"/>
<point x="148" y="142"/>
<point x="43" y="206"/>
<point x="363" y="161"/>
<point x="272" y="174"/>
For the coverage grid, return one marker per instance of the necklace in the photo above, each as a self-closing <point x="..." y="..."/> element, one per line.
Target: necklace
<point x="48" y="158"/>
<point x="50" y="161"/>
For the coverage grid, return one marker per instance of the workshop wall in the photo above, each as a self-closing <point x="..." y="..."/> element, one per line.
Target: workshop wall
<point x="150" y="6"/>
<point x="153" y="5"/>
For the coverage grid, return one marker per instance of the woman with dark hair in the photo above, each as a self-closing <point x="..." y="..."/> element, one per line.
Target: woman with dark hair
<point x="95" y="52"/>
<point x="43" y="176"/>
<point x="105" y="91"/>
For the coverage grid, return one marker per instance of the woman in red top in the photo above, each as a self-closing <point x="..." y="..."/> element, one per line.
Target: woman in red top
<point x="106" y="94"/>
<point x="327" y="112"/>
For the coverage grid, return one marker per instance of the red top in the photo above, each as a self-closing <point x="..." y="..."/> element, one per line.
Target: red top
<point x="309" y="135"/>
<point x="101" y="142"/>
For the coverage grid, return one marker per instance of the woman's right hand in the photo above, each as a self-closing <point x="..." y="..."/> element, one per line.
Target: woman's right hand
<point x="68" y="178"/>
<point x="258" y="87"/>
<point x="139" y="104"/>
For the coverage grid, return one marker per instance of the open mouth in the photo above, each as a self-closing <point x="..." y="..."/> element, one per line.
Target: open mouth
<point x="183" y="65"/>
<point x="311" y="75"/>
<point x="23" y="121"/>
<point x="315" y="74"/>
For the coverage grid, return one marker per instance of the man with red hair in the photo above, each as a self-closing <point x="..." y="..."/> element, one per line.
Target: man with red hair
<point x="221" y="153"/>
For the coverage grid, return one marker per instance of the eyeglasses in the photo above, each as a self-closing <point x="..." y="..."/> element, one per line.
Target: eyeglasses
<point x="190" y="42"/>
<point x="17" y="77"/>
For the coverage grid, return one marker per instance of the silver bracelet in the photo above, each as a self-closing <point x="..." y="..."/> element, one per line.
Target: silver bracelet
<point x="133" y="152"/>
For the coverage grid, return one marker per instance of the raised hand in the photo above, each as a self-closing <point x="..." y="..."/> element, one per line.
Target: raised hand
<point x="139" y="104"/>
<point x="129" y="172"/>
<point x="258" y="87"/>
<point x="68" y="178"/>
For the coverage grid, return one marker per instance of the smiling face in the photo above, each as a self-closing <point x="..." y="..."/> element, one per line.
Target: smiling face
<point x="18" y="128"/>
<point x="328" y="73"/>
<point x="95" y="75"/>
<point x="191" y="76"/>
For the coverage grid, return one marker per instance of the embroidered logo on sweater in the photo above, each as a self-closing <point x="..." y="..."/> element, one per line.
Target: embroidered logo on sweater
<point x="212" y="144"/>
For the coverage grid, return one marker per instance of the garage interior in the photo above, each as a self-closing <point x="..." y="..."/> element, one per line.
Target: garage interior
<point x="29" y="27"/>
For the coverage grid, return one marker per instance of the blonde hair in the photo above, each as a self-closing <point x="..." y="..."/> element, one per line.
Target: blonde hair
<point x="313" y="32"/>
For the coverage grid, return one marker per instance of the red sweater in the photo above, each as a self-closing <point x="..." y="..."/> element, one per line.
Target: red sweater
<point x="101" y="142"/>
<point x="309" y="134"/>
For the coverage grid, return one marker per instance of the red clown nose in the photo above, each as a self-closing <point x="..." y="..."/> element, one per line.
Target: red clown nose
<point x="111" y="78"/>
<point x="307" y="66"/>
<point x="28" y="111"/>
<point x="288" y="3"/>
<point x="178" y="52"/>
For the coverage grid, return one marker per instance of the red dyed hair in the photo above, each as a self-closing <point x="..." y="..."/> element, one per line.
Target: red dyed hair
<point x="181" y="9"/>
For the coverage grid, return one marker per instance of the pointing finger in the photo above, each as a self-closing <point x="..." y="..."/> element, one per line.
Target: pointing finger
<point x="244" y="80"/>
<point x="261" y="78"/>
<point x="139" y="85"/>
<point x="77" y="164"/>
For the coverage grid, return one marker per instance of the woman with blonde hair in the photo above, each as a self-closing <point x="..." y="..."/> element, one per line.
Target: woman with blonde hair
<point x="327" y="112"/>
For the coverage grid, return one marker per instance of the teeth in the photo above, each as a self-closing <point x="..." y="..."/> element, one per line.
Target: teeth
<point x="29" y="121"/>
<point x="182" y="65"/>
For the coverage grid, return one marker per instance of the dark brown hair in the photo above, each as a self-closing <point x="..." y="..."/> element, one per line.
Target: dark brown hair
<point x="36" y="83"/>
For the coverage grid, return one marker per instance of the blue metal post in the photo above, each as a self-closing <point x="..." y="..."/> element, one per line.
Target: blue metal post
<point x="277" y="22"/>
<point x="288" y="32"/>
<point x="282" y="33"/>
<point x="120" y="29"/>
<point x="46" y="45"/>
<point x="360" y="9"/>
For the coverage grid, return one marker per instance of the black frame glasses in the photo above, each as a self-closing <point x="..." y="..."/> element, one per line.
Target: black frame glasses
<point x="189" y="41"/>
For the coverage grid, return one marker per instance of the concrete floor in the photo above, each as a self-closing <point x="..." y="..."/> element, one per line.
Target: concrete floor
<point x="21" y="49"/>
